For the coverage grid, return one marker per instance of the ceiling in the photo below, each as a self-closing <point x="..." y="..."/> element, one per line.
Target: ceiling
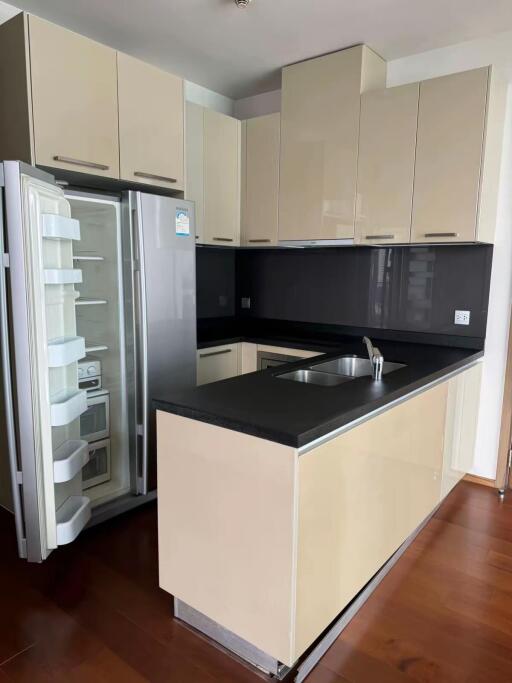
<point x="238" y="52"/>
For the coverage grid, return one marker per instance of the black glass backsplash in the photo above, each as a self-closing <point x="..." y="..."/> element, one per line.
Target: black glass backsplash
<point x="216" y="282"/>
<point x="413" y="289"/>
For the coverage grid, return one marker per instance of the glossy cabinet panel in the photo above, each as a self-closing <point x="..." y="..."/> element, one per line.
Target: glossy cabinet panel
<point x="74" y="101"/>
<point x="221" y="179"/>
<point x="260" y="178"/>
<point x="194" y="163"/>
<point x="216" y="363"/>
<point x="360" y="496"/>
<point x="451" y="130"/>
<point x="150" y="124"/>
<point x="387" y="147"/>
<point x="319" y="141"/>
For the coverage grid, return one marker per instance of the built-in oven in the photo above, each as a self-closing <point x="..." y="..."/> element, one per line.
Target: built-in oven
<point x="95" y="422"/>
<point x="268" y="359"/>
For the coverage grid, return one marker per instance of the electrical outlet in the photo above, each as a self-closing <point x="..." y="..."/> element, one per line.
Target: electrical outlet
<point x="462" y="317"/>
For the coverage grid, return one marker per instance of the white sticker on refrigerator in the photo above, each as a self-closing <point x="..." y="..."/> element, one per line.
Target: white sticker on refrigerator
<point x="182" y="222"/>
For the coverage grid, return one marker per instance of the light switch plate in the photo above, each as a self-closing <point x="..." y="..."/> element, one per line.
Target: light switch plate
<point x="462" y="317"/>
<point x="245" y="302"/>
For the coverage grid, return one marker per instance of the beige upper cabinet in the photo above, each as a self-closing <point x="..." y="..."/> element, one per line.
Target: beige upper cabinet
<point x="150" y="124"/>
<point x="74" y="101"/>
<point x="194" y="163"/>
<point x="260" y="180"/>
<point x="319" y="142"/>
<point x="221" y="179"/>
<point x="457" y="161"/>
<point x="387" y="145"/>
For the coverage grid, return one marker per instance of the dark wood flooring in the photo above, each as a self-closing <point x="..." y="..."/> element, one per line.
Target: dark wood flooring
<point x="94" y="612"/>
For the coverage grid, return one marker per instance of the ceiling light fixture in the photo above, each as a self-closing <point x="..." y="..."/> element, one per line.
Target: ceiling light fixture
<point x="242" y="3"/>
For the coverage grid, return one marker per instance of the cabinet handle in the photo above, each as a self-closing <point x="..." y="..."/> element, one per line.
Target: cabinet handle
<point x="441" y="234"/>
<point x="153" y="176"/>
<point x="379" y="237"/>
<point x="258" y="241"/>
<point x="79" y="162"/>
<point x="222" y="239"/>
<point x="215" y="353"/>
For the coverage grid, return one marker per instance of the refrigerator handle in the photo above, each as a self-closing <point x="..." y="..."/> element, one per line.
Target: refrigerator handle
<point x="140" y="351"/>
<point x="16" y="475"/>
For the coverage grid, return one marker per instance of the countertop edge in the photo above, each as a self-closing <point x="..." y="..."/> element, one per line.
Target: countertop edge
<point x="337" y="425"/>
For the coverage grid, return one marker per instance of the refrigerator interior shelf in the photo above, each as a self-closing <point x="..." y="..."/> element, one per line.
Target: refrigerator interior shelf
<point x="94" y="349"/>
<point x="67" y="405"/>
<point x="65" y="350"/>
<point x="90" y="302"/>
<point x="69" y="459"/>
<point x="88" y="258"/>
<point x="62" y="276"/>
<point x="60" y="227"/>
<point x="72" y="516"/>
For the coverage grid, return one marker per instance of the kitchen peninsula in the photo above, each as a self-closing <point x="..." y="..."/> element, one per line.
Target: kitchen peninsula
<point x="279" y="500"/>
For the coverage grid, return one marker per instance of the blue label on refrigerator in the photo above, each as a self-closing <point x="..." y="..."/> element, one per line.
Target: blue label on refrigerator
<point x="182" y="222"/>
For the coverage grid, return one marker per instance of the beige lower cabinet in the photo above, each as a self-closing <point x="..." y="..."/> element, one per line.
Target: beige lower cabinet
<point x="216" y="363"/>
<point x="150" y="124"/>
<point x="292" y="537"/>
<point x="260" y="180"/>
<point x="385" y="170"/>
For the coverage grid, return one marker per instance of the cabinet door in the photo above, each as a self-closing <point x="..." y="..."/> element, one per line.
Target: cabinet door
<point x="451" y="125"/>
<point x="319" y="136"/>
<point x="194" y="163"/>
<point x="150" y="124"/>
<point x="387" y="145"/>
<point x="216" y="363"/>
<point x="74" y="101"/>
<point x="261" y="178"/>
<point x="221" y="179"/>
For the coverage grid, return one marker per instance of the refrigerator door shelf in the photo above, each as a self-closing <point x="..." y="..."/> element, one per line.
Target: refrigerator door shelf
<point x="60" y="227"/>
<point x="65" y="350"/>
<point x="72" y="516"/>
<point x="62" y="276"/>
<point x="67" y="405"/>
<point x="90" y="302"/>
<point x="69" y="459"/>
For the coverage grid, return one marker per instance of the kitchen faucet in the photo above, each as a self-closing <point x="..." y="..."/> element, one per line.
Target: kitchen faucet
<point x="376" y="358"/>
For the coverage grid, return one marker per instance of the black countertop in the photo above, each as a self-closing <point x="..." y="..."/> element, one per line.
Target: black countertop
<point x="294" y="413"/>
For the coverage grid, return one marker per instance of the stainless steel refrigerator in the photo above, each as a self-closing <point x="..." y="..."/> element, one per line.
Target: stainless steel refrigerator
<point x="98" y="316"/>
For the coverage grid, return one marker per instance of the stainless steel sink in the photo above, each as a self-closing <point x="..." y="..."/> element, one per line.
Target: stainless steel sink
<point x="353" y="366"/>
<point x="313" y="377"/>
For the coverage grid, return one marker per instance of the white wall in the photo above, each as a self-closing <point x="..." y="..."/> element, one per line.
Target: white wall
<point x="208" y="98"/>
<point x="7" y="11"/>
<point x="258" y="105"/>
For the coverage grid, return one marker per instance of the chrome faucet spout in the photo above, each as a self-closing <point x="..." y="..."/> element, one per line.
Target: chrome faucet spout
<point x="376" y="358"/>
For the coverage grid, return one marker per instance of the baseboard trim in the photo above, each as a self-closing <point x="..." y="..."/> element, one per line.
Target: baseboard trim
<point x="483" y="481"/>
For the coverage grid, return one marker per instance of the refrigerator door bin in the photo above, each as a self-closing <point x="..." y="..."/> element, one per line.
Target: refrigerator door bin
<point x="72" y="516"/>
<point x="66" y="406"/>
<point x="62" y="276"/>
<point x="69" y="459"/>
<point x="65" y="350"/>
<point x="60" y="227"/>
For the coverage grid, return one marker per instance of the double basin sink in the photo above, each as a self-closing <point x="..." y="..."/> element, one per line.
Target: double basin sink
<point x="331" y="373"/>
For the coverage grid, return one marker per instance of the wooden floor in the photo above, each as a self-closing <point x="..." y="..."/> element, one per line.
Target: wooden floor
<point x="94" y="612"/>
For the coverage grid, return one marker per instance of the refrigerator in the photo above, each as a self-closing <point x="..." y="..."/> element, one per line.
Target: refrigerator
<point x="97" y="317"/>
